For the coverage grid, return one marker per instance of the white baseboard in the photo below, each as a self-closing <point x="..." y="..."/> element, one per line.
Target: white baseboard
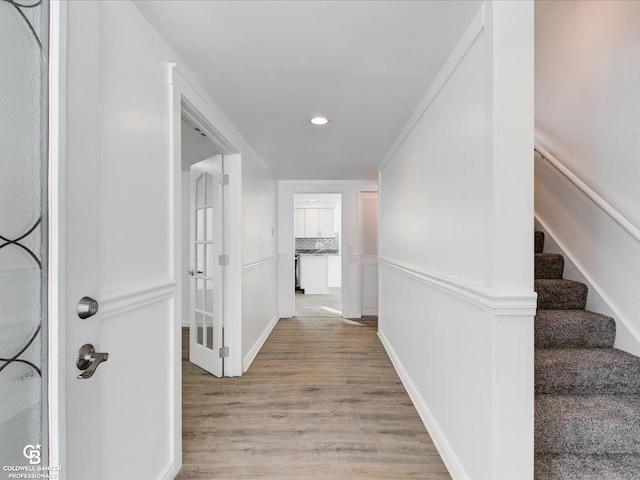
<point x="170" y="472"/>
<point x="450" y="459"/>
<point x="251" y="355"/>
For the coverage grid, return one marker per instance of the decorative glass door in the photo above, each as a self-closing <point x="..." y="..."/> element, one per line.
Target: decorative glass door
<point x="207" y="267"/>
<point x="23" y="234"/>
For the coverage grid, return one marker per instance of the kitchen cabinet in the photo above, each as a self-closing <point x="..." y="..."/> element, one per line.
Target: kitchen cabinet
<point x="326" y="222"/>
<point x="298" y="223"/>
<point x="314" y="223"/>
<point x="314" y="274"/>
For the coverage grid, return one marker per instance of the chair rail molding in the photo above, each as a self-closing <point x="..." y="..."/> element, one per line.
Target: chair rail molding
<point x="503" y="303"/>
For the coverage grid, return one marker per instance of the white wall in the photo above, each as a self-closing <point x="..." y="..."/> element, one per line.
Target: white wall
<point x="129" y="70"/>
<point x="587" y="73"/>
<point x="456" y="250"/>
<point x="350" y="248"/>
<point x="587" y="68"/>
<point x="259" y="251"/>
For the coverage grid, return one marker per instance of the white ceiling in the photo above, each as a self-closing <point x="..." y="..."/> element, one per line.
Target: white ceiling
<point x="311" y="200"/>
<point x="270" y="65"/>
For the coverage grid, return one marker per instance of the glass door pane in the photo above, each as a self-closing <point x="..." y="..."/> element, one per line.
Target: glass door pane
<point x="23" y="233"/>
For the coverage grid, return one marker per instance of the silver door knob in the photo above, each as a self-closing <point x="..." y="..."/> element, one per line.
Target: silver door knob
<point x="191" y="273"/>
<point x="87" y="307"/>
<point x="88" y="359"/>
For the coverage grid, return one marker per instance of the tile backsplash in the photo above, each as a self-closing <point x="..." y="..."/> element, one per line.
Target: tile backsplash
<point x="318" y="243"/>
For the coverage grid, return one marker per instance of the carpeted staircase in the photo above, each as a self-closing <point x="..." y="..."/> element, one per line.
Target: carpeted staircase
<point x="587" y="408"/>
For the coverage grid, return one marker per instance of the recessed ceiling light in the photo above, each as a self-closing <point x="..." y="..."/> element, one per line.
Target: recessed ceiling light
<point x="312" y="200"/>
<point x="319" y="120"/>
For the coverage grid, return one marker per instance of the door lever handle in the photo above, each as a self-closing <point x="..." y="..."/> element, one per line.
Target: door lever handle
<point x="88" y="360"/>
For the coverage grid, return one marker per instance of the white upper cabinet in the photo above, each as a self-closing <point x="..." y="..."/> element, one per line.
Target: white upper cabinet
<point x="326" y="222"/>
<point x="313" y="222"/>
<point x="298" y="223"/>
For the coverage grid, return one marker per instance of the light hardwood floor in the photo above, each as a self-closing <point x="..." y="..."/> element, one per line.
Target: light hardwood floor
<point x="321" y="401"/>
<point x="319" y="305"/>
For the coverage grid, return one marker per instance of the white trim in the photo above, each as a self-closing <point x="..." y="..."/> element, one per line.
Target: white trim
<point x="57" y="421"/>
<point x="606" y="207"/>
<point x="255" y="349"/>
<point x="596" y="286"/>
<point x="167" y="473"/>
<point x="325" y="186"/>
<point x="511" y="303"/>
<point x="459" y="52"/>
<point x="450" y="459"/>
<point x="117" y="303"/>
<point x="260" y="262"/>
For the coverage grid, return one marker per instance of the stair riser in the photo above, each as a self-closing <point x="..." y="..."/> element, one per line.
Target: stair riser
<point x="563" y="296"/>
<point x="597" y="384"/>
<point x="538" y="241"/>
<point x="581" y="467"/>
<point x="572" y="439"/>
<point x="581" y="427"/>
<point x="548" y="266"/>
<point x="570" y="333"/>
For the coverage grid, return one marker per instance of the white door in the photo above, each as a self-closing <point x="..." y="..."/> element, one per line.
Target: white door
<point x="206" y="272"/>
<point x="369" y="249"/>
<point x="117" y="230"/>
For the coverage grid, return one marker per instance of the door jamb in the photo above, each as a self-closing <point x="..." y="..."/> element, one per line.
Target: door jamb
<point x="185" y="98"/>
<point x="56" y="295"/>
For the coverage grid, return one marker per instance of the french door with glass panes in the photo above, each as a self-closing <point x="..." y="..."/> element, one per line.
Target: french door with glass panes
<point x="206" y="305"/>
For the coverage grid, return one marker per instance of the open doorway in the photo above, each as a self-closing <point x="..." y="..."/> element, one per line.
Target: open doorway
<point x="202" y="167"/>
<point x="318" y="254"/>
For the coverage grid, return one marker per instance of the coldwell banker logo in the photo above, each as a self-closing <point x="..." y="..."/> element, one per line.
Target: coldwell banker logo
<point x="32" y="453"/>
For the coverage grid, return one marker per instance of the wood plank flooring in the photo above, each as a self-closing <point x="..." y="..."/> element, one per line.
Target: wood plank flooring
<point x="321" y="401"/>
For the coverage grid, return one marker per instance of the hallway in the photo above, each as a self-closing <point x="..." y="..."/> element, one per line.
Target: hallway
<point x="321" y="401"/>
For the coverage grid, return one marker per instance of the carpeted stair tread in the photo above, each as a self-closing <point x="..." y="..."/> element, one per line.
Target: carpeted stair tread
<point x="558" y="294"/>
<point x="573" y="328"/>
<point x="588" y="467"/>
<point x="586" y="371"/>
<point x="538" y="241"/>
<point x="587" y="425"/>
<point x="548" y="265"/>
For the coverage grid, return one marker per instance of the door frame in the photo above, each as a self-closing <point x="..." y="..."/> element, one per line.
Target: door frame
<point x="350" y="241"/>
<point x="185" y="98"/>
<point x="56" y="294"/>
